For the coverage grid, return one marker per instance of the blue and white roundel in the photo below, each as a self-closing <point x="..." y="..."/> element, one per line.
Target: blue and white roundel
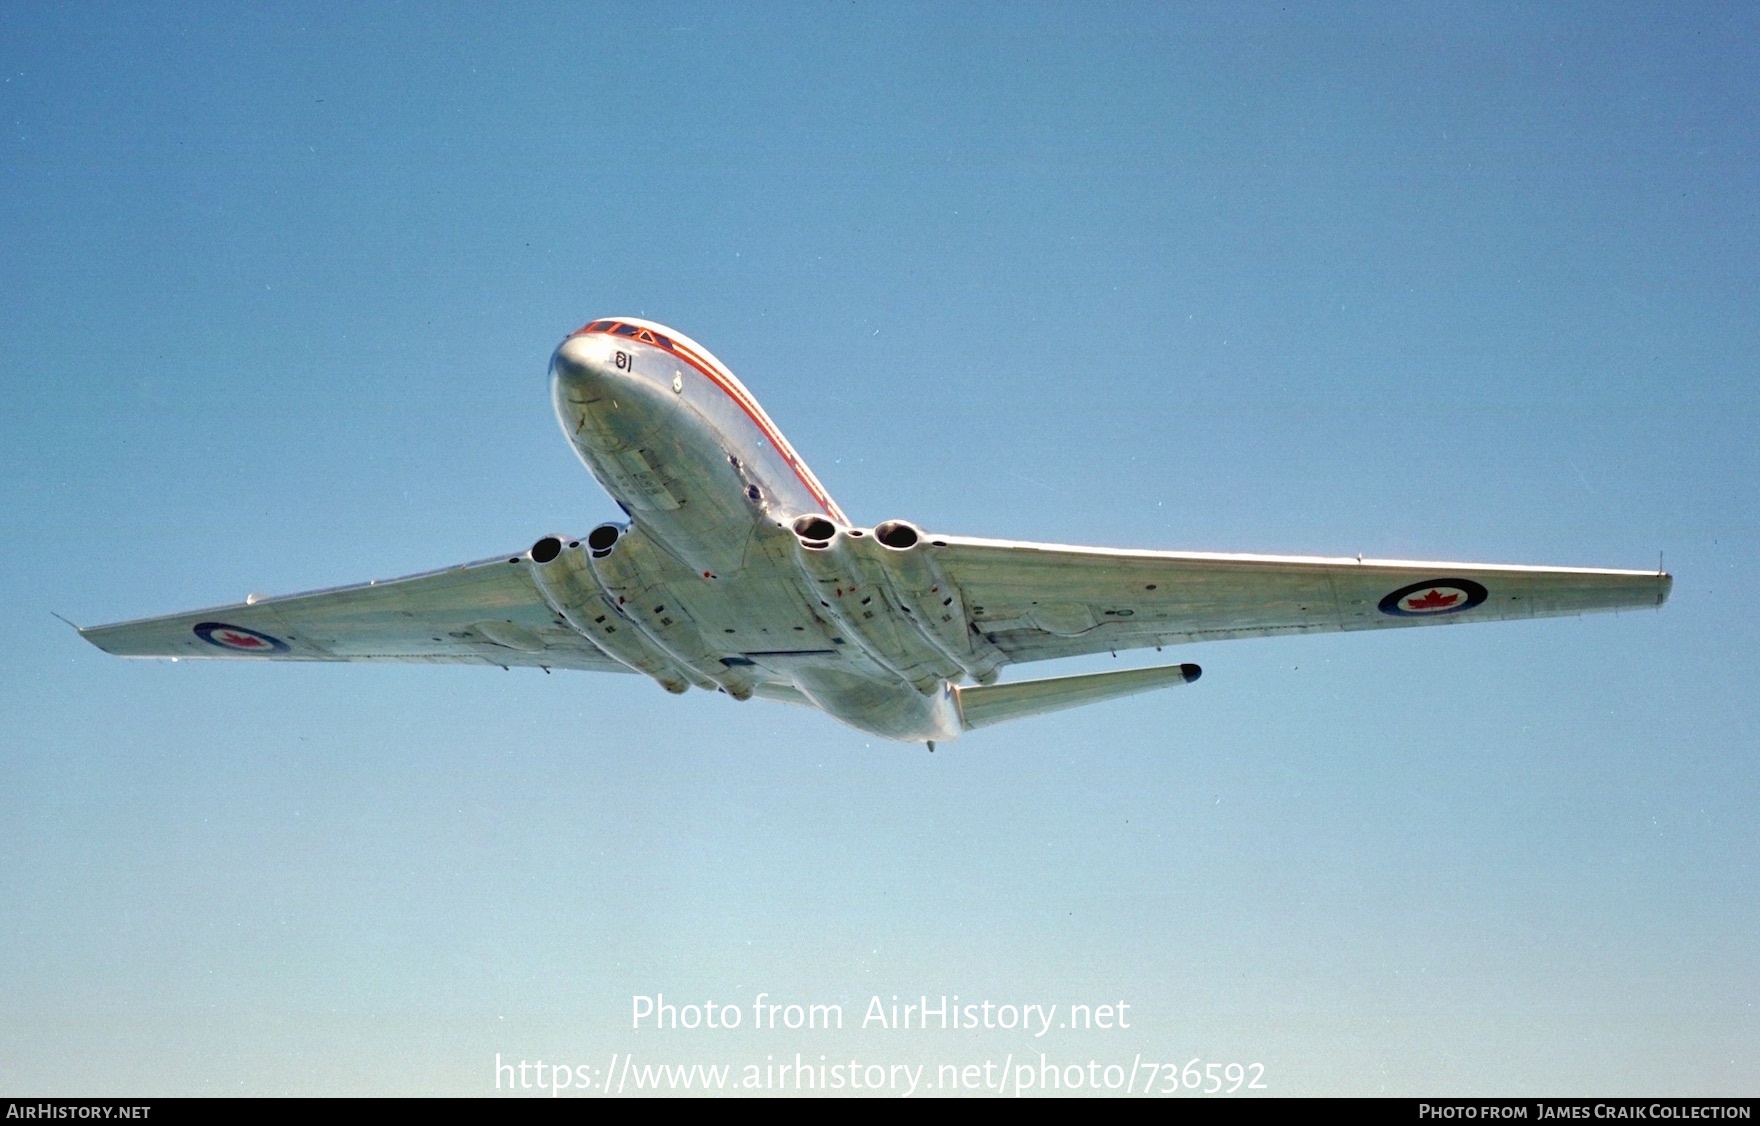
<point x="239" y="639"/>
<point x="1433" y="597"/>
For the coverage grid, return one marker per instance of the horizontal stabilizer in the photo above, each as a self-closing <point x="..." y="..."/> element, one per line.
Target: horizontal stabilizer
<point x="983" y="705"/>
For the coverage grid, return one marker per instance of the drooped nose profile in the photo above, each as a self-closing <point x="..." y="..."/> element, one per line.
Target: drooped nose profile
<point x="602" y="400"/>
<point x="581" y="364"/>
<point x="737" y="573"/>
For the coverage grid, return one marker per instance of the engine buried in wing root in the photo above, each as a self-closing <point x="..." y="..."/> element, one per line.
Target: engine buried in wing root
<point x="737" y="573"/>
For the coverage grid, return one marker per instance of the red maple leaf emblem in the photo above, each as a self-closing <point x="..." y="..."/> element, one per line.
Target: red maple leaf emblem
<point x="246" y="641"/>
<point x="1435" y="600"/>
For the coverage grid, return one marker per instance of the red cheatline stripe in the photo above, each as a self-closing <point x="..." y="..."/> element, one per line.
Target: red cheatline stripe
<point x="746" y="403"/>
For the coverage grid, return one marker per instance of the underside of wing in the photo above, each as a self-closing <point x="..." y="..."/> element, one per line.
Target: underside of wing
<point x="1042" y="601"/>
<point x="489" y="612"/>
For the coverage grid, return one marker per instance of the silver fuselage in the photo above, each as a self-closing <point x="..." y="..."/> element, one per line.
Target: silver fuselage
<point x="715" y="585"/>
<point x="737" y="573"/>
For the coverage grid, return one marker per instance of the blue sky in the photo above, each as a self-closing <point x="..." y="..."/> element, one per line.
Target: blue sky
<point x="1479" y="284"/>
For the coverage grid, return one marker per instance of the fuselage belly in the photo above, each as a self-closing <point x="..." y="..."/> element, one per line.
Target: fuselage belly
<point x="736" y="573"/>
<point x="709" y="572"/>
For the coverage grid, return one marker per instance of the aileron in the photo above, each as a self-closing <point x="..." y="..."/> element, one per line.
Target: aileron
<point x="1033" y="599"/>
<point x="485" y="612"/>
<point x="737" y="573"/>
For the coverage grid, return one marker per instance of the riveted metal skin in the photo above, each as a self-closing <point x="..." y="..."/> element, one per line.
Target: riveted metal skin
<point x="737" y="572"/>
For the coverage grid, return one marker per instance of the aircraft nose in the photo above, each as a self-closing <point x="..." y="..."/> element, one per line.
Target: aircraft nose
<point x="602" y="403"/>
<point x="582" y="364"/>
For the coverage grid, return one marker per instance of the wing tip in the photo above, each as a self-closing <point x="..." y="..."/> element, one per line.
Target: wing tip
<point x="94" y="636"/>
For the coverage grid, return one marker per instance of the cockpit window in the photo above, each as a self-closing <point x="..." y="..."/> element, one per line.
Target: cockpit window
<point x="648" y="336"/>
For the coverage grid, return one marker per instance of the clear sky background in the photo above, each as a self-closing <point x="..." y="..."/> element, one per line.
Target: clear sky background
<point x="277" y="291"/>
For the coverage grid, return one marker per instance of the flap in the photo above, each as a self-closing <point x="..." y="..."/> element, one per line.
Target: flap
<point x="489" y="612"/>
<point x="1041" y="601"/>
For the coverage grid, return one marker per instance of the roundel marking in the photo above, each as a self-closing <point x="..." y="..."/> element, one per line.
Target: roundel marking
<point x="1432" y="597"/>
<point x="239" y="639"/>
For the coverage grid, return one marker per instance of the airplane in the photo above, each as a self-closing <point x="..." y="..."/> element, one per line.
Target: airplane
<point x="735" y="572"/>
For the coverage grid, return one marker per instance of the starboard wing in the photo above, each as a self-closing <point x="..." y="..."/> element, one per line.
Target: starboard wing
<point x="489" y="612"/>
<point x="1041" y="601"/>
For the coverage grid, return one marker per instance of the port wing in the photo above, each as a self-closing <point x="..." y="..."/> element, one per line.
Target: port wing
<point x="1041" y="601"/>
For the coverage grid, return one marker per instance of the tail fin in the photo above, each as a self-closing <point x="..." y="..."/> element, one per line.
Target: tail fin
<point x="983" y="705"/>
